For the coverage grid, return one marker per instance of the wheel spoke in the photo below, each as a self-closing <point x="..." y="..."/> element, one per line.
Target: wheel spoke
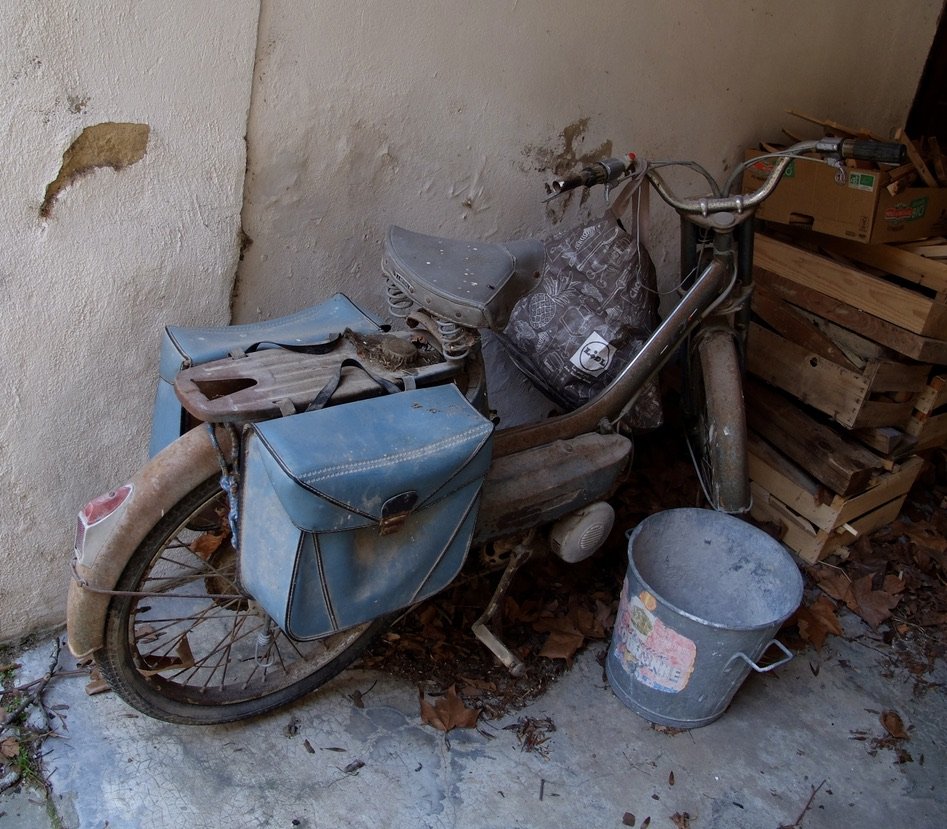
<point x="196" y="648"/>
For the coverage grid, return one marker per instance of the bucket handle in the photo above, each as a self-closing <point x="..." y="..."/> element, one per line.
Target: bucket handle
<point x="756" y="667"/>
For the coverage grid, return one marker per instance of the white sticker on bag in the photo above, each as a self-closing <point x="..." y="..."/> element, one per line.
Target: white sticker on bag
<point x="594" y="356"/>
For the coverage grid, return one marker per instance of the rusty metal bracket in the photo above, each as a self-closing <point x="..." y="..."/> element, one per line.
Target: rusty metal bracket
<point x="519" y="556"/>
<point x="85" y="585"/>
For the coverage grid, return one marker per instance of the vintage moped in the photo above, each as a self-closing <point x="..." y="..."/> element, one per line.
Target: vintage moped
<point x="315" y="475"/>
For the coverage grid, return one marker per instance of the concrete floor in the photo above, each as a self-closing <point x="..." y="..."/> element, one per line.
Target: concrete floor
<point x="786" y="734"/>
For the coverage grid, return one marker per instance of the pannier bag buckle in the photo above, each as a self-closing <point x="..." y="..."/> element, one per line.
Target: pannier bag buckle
<point x="395" y="512"/>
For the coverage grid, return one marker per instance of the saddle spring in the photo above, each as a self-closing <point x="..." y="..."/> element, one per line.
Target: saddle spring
<point x="399" y="303"/>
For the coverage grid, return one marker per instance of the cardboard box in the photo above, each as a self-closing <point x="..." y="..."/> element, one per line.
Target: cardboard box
<point x="861" y="209"/>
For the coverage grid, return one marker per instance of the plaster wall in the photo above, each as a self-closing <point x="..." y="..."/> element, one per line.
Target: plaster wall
<point x="441" y="116"/>
<point x="87" y="278"/>
<point x="448" y="117"/>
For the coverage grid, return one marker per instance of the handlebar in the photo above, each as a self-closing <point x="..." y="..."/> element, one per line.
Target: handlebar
<point x="612" y="170"/>
<point x="881" y="152"/>
<point x="607" y="171"/>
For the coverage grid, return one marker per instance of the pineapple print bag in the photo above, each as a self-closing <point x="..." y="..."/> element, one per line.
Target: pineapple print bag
<point x="592" y="310"/>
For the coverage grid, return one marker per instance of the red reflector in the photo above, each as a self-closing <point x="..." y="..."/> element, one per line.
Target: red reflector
<point x="104" y="505"/>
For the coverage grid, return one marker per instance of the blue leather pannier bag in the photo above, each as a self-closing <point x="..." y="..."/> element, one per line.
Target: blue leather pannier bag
<point x="354" y="511"/>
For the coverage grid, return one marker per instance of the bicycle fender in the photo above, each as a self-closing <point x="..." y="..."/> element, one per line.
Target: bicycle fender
<point x="174" y="471"/>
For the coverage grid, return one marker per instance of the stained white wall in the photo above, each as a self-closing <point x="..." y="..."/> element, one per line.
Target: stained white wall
<point x="85" y="290"/>
<point x="437" y="114"/>
<point x="446" y="116"/>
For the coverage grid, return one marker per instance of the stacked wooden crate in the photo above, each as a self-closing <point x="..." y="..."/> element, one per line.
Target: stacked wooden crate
<point x="851" y="341"/>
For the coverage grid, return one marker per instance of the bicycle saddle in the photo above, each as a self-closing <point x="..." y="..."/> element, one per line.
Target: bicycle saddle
<point x="475" y="284"/>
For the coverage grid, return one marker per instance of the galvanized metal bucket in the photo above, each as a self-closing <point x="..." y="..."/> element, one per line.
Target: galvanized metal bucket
<point x="703" y="597"/>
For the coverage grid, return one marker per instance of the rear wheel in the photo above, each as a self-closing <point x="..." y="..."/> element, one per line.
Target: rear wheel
<point x="717" y="421"/>
<point x="196" y="649"/>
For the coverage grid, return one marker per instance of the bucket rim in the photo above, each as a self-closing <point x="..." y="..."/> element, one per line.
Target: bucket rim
<point x="775" y="624"/>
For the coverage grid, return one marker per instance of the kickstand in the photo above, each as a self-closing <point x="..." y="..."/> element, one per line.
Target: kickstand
<point x="518" y="557"/>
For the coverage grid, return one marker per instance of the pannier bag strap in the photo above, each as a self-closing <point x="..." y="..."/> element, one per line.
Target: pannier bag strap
<point x="633" y="192"/>
<point x="322" y="399"/>
<point x="322" y="347"/>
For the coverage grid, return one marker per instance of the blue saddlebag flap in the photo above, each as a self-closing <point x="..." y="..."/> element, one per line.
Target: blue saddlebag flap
<point x="358" y="510"/>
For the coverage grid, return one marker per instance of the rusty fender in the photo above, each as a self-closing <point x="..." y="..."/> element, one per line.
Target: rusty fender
<point x="168" y="476"/>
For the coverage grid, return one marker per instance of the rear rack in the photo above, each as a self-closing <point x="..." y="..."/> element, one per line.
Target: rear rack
<point x="277" y="381"/>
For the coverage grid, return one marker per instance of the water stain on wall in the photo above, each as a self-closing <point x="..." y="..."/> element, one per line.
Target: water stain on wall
<point x="567" y="154"/>
<point x="109" y="144"/>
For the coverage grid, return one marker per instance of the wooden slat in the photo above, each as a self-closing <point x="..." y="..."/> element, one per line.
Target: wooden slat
<point x="933" y="396"/>
<point x="916" y="346"/>
<point x="860" y="350"/>
<point x="887" y="440"/>
<point x="834" y="127"/>
<point x="930" y="431"/>
<point x="920" y="244"/>
<point x="822" y="384"/>
<point x="933" y="252"/>
<point x="914" y="157"/>
<point x="876" y="413"/>
<point x="784" y="318"/>
<point x="809" y="542"/>
<point x="889" y="376"/>
<point x="909" y="265"/>
<point x="837" y="461"/>
<point x="878" y="297"/>
<point x="798" y="491"/>
<point x="937" y="160"/>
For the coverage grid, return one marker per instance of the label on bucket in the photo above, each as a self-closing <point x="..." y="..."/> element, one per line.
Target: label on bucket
<point x="655" y="654"/>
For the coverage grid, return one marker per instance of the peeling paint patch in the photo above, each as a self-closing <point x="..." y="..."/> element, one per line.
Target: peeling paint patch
<point x="108" y="144"/>
<point x="565" y="156"/>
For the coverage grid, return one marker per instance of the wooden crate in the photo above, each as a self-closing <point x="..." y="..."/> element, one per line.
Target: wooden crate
<point x="810" y="543"/>
<point x="912" y="298"/>
<point x="875" y="393"/>
<point x="829" y="454"/>
<point x="908" y="344"/>
<point x="815" y="521"/>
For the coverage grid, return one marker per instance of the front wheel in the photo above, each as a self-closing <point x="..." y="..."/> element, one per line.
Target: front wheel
<point x="717" y="420"/>
<point x="192" y="647"/>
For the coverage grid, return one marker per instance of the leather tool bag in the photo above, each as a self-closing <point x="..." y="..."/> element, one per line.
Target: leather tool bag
<point x="595" y="305"/>
<point x="358" y="510"/>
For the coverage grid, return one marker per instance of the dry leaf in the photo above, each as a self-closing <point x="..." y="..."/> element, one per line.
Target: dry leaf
<point x="818" y="620"/>
<point x="682" y="820"/>
<point x="448" y="712"/>
<point x="10" y="747"/>
<point x="155" y="664"/>
<point x="894" y="725"/>
<point x="96" y="684"/>
<point x="833" y="582"/>
<point x="874" y="606"/>
<point x="628" y="819"/>
<point x="561" y="645"/>
<point x="893" y="585"/>
<point x="206" y="544"/>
